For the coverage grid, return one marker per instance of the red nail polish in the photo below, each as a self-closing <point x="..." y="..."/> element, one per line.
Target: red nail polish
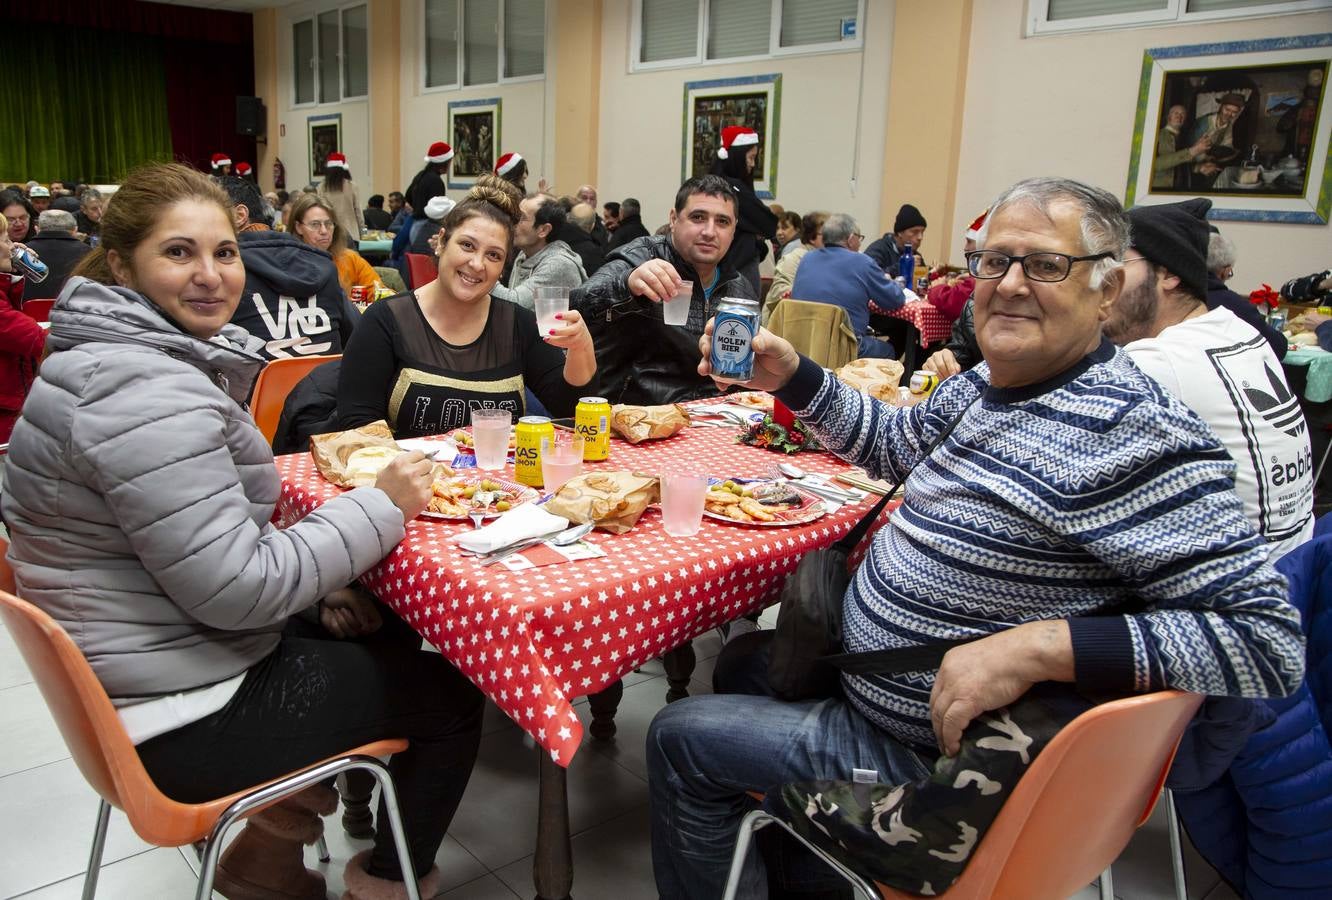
<point x="552" y="331"/>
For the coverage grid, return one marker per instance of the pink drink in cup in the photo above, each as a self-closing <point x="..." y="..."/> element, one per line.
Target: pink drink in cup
<point x="548" y="303"/>
<point x="675" y="310"/>
<point x="682" y="503"/>
<point x="490" y="435"/>
<point x="561" y="459"/>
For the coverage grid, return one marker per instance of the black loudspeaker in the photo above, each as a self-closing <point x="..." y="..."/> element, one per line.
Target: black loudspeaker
<point x="251" y="116"/>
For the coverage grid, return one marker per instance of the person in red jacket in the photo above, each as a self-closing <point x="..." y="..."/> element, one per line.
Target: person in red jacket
<point x="21" y="339"/>
<point x="949" y="295"/>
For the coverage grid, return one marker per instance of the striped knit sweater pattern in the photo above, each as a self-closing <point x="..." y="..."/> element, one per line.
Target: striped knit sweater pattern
<point x="1096" y="497"/>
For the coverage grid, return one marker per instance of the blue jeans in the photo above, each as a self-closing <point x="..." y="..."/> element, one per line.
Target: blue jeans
<point x="871" y="347"/>
<point x="704" y="752"/>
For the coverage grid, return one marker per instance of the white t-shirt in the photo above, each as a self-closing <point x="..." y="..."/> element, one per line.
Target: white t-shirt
<point x="1226" y="372"/>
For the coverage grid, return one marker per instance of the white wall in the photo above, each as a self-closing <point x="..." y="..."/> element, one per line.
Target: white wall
<point x="641" y="139"/>
<point x="294" y="146"/>
<point x="425" y="115"/>
<point x="1091" y="81"/>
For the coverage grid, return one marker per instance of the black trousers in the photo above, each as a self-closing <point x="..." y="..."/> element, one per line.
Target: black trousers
<point x="314" y="697"/>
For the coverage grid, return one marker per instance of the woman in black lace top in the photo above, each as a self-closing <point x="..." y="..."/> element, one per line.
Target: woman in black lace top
<point x="425" y="359"/>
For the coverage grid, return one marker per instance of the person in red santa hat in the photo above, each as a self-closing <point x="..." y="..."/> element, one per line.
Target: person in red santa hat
<point x="736" y="159"/>
<point x="962" y="350"/>
<point x="513" y="169"/>
<point x="340" y="193"/>
<point x="949" y="294"/>
<point x="427" y="185"/>
<point x="246" y="171"/>
<point x="221" y="164"/>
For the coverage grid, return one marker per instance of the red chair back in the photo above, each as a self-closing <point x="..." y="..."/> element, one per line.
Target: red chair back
<point x="422" y="269"/>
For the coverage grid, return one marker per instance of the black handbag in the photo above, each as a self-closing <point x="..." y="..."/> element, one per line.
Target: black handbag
<point x="805" y="656"/>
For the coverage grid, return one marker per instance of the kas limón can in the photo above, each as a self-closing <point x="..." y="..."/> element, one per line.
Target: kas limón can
<point x="527" y="448"/>
<point x="592" y="423"/>
<point x="733" y="333"/>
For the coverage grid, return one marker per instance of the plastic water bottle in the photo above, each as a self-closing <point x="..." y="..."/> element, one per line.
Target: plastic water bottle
<point x="906" y="266"/>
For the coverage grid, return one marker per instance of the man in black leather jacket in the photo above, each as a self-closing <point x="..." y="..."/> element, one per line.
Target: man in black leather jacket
<point x="640" y="359"/>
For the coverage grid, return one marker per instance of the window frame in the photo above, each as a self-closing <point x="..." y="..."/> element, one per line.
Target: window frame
<point x="1176" y="12"/>
<point x="312" y="16"/>
<point x="500" y="55"/>
<point x="775" y="50"/>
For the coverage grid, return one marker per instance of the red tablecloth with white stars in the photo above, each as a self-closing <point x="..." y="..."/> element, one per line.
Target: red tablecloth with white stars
<point x="535" y="640"/>
<point x="931" y="324"/>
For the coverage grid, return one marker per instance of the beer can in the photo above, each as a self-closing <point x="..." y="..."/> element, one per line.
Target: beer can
<point x="592" y="422"/>
<point x="357" y="293"/>
<point x="527" y="448"/>
<point x="922" y="382"/>
<point x="29" y="266"/>
<point x="733" y="331"/>
<point x="1277" y="319"/>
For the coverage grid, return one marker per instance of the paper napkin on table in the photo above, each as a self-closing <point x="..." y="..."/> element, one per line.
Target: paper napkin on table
<point x="518" y="524"/>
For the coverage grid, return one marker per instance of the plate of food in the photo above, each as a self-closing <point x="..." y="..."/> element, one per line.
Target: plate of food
<point x="766" y="503"/>
<point x="751" y="400"/>
<point x="456" y="496"/>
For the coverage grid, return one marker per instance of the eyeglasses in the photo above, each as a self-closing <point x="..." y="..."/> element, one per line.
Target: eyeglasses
<point x="320" y="225"/>
<point x="1046" y="267"/>
<point x="858" y="235"/>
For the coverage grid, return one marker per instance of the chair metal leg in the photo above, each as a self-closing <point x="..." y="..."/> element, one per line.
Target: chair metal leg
<point x="752" y="822"/>
<point x="321" y="849"/>
<point x="1176" y="848"/>
<point x="252" y="803"/>
<point x="1318" y="473"/>
<point x="98" y="844"/>
<point x="1107" y="885"/>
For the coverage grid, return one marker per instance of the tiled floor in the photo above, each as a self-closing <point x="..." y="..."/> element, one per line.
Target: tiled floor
<point x="47" y="812"/>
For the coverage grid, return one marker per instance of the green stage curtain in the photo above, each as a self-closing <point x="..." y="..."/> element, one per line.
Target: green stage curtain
<point x="82" y="105"/>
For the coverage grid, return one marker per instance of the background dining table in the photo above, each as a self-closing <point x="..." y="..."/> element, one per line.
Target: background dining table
<point x="537" y="639"/>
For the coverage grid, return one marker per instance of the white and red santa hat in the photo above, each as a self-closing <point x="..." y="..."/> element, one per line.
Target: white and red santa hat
<point x="439" y="152"/>
<point x="336" y="161"/>
<point x="243" y="169"/>
<point x="736" y="136"/>
<point x="974" y="229"/>
<point x="219" y="160"/>
<point x="506" y="163"/>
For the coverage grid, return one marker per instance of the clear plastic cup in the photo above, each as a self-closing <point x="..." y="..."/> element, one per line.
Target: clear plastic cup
<point x="561" y="459"/>
<point x="549" y="302"/>
<point x="490" y="435"/>
<point x="675" y="310"/>
<point x="682" y="503"/>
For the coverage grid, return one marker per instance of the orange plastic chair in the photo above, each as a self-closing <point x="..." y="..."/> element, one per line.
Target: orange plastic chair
<point x="1069" y="817"/>
<point x="274" y="384"/>
<point x="422" y="268"/>
<point x="104" y="754"/>
<point x="39" y="310"/>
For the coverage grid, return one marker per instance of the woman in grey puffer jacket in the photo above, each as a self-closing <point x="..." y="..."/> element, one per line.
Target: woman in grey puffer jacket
<point x="138" y="501"/>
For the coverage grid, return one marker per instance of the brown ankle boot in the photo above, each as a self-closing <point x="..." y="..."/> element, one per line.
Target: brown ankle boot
<point x="361" y="885"/>
<point x="267" y="859"/>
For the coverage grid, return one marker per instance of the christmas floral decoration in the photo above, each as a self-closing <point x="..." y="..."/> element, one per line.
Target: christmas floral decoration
<point x="1265" y="298"/>
<point x="783" y="439"/>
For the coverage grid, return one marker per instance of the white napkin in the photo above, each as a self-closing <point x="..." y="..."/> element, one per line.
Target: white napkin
<point x="520" y="523"/>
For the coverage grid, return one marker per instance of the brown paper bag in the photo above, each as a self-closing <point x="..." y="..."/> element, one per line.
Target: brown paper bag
<point x="648" y="423"/>
<point x="332" y="453"/>
<point x="611" y="500"/>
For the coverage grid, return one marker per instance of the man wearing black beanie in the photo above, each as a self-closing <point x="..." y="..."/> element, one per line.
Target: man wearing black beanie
<point x="908" y="228"/>
<point x="1219" y="366"/>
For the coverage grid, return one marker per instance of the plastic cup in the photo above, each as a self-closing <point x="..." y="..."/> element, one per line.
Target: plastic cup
<point x="675" y="310"/>
<point x="561" y="459"/>
<point x="490" y="435"/>
<point x="682" y="503"/>
<point x="549" y="302"/>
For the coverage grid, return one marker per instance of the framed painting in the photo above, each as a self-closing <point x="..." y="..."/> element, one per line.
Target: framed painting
<point x="474" y="133"/>
<point x="325" y="134"/>
<point x="1243" y="123"/>
<point x="709" y="106"/>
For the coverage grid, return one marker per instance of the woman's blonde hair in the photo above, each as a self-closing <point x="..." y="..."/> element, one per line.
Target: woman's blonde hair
<point x="137" y="206"/>
<point x="306" y="202"/>
<point x="491" y="197"/>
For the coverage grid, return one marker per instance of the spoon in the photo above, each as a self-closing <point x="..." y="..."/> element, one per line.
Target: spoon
<point x="796" y="473"/>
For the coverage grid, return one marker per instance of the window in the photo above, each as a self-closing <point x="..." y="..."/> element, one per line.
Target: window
<point x="330" y="56"/>
<point x="303" y="61"/>
<point x="471" y="42"/>
<point x="1055" y="16"/>
<point x="686" y="32"/>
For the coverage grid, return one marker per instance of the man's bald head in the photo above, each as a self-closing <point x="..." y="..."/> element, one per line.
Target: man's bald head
<point x="584" y="215"/>
<point x="588" y="194"/>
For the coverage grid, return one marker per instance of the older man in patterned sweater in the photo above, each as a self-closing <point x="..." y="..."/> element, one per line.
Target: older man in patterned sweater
<point x="1078" y="524"/>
